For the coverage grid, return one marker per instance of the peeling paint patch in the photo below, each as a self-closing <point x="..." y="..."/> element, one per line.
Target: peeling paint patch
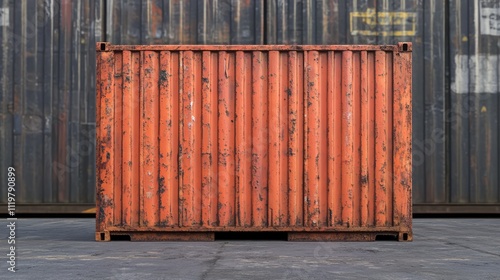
<point x="4" y="16"/>
<point x="475" y="74"/>
<point x="489" y="17"/>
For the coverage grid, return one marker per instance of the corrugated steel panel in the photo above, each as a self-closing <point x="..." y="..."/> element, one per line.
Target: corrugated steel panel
<point x="386" y="22"/>
<point x="47" y="97"/>
<point x="6" y="97"/>
<point x="474" y="119"/>
<point x="185" y="22"/>
<point x="430" y="144"/>
<point x="254" y="138"/>
<point x="47" y="103"/>
<point x="342" y="22"/>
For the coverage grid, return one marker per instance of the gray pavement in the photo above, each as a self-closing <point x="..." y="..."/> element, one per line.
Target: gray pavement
<point x="442" y="249"/>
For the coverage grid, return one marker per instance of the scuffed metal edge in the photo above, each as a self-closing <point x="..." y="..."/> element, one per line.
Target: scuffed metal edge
<point x="106" y="46"/>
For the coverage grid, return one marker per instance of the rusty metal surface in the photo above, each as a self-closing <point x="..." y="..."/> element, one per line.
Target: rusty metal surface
<point x="255" y="137"/>
<point x="264" y="228"/>
<point x="292" y="233"/>
<point x="387" y="22"/>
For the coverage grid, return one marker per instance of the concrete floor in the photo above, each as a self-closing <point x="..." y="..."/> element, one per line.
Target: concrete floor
<point x="442" y="249"/>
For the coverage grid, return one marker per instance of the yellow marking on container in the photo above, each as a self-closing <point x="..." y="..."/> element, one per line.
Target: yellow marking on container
<point x="366" y="23"/>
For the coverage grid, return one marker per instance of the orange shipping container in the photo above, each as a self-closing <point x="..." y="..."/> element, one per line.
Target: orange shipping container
<point x="314" y="141"/>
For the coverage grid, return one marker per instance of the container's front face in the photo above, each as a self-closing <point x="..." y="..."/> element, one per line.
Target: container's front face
<point x="214" y="140"/>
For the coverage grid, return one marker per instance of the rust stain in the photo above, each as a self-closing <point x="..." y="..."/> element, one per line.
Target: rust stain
<point x="314" y="141"/>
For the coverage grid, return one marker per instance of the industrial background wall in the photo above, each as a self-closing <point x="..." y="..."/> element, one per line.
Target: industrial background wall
<point x="47" y="112"/>
<point x="48" y="82"/>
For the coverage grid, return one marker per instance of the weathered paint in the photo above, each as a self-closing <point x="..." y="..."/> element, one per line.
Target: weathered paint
<point x="47" y="102"/>
<point x="254" y="138"/>
<point x="4" y="16"/>
<point x="47" y="108"/>
<point x="473" y="116"/>
<point x="489" y="17"/>
<point x="429" y="103"/>
<point x="185" y="22"/>
<point x="367" y="22"/>
<point x="475" y="74"/>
